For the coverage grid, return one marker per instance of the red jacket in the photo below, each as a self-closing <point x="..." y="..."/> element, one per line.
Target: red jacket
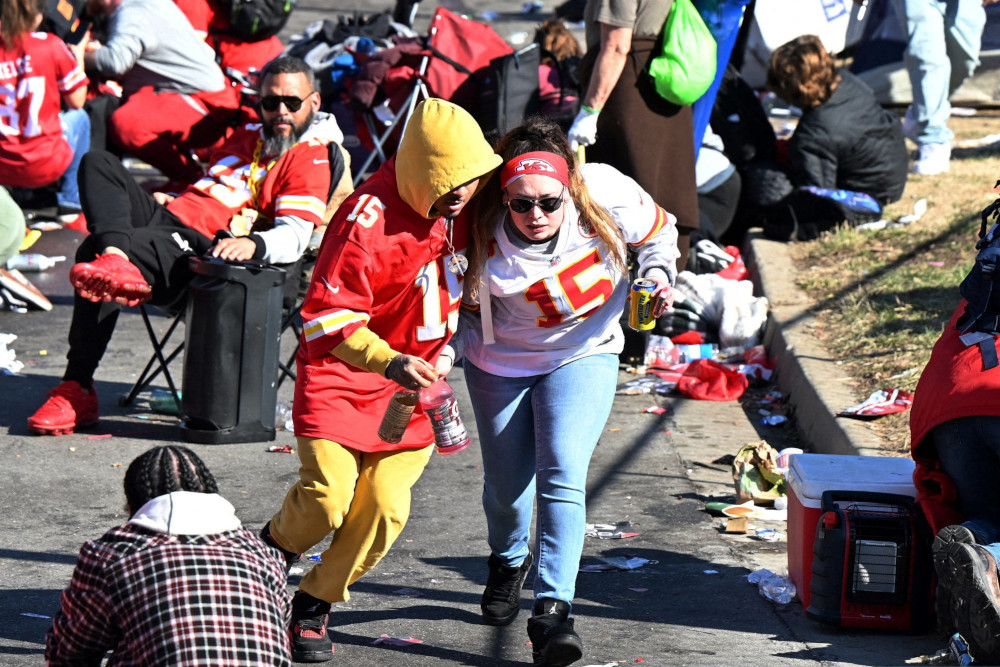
<point x="952" y="385"/>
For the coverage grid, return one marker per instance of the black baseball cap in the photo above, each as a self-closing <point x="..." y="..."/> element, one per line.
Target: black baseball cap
<point x="65" y="19"/>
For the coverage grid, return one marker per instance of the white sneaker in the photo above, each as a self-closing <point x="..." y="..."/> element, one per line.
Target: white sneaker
<point x="933" y="159"/>
<point x="19" y="286"/>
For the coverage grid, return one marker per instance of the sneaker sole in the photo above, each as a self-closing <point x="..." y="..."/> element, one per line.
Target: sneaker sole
<point x="560" y="651"/>
<point x="99" y="286"/>
<point x="313" y="656"/>
<point x="947" y="607"/>
<point x="983" y="615"/>
<point x="57" y="429"/>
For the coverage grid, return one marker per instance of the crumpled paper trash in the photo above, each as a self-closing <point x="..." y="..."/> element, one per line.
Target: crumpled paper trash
<point x="8" y="363"/>
<point x="756" y="474"/>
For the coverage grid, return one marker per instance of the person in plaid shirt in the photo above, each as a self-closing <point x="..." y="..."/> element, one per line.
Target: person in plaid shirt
<point x="181" y="583"/>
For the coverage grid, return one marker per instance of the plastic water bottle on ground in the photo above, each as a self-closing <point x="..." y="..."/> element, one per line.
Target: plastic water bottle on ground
<point x="773" y="586"/>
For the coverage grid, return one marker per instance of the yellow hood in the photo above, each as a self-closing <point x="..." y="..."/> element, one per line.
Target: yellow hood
<point x="442" y="148"/>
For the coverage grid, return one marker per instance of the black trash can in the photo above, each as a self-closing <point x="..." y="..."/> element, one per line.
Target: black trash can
<point x="231" y="349"/>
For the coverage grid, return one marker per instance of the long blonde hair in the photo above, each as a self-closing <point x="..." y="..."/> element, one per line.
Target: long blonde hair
<point x="536" y="134"/>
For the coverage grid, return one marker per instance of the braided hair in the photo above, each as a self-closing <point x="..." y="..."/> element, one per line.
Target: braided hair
<point x="162" y="470"/>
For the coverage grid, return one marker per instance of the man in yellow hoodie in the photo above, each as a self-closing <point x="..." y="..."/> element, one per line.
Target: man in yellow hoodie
<point x="381" y="308"/>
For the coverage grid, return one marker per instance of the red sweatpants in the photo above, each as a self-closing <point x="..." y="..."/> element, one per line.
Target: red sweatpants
<point x="163" y="128"/>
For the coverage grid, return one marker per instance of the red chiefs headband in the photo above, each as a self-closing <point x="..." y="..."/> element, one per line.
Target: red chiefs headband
<point x="536" y="162"/>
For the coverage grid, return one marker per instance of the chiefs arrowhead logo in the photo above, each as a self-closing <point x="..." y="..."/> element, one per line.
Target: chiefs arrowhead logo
<point x="534" y="164"/>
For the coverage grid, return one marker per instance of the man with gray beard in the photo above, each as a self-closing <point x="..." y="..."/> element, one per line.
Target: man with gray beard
<point x="264" y="193"/>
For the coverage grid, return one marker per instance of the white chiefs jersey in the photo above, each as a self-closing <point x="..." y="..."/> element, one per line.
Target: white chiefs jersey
<point x="549" y="309"/>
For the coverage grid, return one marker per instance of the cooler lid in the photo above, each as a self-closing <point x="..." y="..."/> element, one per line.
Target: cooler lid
<point x="812" y="474"/>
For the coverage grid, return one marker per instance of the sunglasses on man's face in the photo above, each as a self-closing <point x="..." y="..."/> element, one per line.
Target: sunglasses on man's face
<point x="523" y="204"/>
<point x="292" y="103"/>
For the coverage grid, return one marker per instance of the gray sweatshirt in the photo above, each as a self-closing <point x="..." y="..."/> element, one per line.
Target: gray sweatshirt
<point x="151" y="43"/>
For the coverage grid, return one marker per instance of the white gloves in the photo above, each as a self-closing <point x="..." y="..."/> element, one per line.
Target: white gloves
<point x="584" y="129"/>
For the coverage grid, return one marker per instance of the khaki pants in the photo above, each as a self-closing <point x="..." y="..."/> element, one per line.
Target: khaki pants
<point x="363" y="498"/>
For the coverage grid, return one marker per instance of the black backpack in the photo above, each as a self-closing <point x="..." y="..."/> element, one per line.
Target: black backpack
<point x="980" y="323"/>
<point x="255" y="20"/>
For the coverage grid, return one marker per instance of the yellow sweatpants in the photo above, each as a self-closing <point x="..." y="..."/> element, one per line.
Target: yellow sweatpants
<point x="363" y="498"/>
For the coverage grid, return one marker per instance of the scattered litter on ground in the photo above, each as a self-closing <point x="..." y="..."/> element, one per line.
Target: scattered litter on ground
<point x="737" y="525"/>
<point x="919" y="209"/>
<point x="8" y="362"/>
<point x="98" y="437"/>
<point x="315" y="557"/>
<point x="408" y="593"/>
<point x="397" y="641"/>
<point x="163" y="402"/>
<point x="283" y="449"/>
<point x="654" y="410"/>
<point x="882" y="402"/>
<point x="647" y="384"/>
<point x="774" y="420"/>
<point x="756" y="474"/>
<point x="772" y="586"/>
<point x="610" y="531"/>
<point x="957" y="653"/>
<point x="768" y="534"/>
<point x="609" y="563"/>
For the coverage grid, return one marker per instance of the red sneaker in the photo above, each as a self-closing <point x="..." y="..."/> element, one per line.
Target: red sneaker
<point x="110" y="277"/>
<point x="69" y="407"/>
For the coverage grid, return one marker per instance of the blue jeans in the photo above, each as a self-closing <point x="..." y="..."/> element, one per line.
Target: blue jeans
<point x="969" y="451"/>
<point x="76" y="129"/>
<point x="537" y="435"/>
<point x="943" y="51"/>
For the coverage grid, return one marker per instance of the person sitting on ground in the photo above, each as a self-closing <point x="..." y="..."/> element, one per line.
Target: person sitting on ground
<point x="844" y="141"/>
<point x="175" y="98"/>
<point x="39" y="145"/>
<point x="266" y="192"/>
<point x="955" y="443"/>
<point x="181" y="582"/>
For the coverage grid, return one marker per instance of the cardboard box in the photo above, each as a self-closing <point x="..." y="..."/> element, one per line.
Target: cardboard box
<point x="809" y="475"/>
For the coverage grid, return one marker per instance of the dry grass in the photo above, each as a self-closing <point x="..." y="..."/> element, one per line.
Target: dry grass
<point x="883" y="297"/>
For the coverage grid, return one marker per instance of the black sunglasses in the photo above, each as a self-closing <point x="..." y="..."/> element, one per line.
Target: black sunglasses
<point x="523" y="204"/>
<point x="292" y="103"/>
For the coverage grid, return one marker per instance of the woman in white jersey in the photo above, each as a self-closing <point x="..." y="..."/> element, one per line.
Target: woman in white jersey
<point x="548" y="277"/>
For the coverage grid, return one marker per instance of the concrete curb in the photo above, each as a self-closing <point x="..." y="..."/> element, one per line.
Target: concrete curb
<point x="816" y="386"/>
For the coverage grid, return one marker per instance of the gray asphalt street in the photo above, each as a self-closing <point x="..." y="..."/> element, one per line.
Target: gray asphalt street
<point x="687" y="603"/>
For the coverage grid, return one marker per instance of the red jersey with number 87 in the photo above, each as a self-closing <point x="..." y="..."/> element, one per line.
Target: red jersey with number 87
<point x="34" y="74"/>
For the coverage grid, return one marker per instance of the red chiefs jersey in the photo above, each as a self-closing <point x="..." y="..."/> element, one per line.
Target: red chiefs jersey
<point x="296" y="184"/>
<point x="34" y="74"/>
<point x="381" y="266"/>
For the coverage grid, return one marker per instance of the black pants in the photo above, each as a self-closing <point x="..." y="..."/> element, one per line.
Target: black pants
<point x="121" y="214"/>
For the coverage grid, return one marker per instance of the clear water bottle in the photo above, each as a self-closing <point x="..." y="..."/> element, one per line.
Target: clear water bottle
<point x="440" y="405"/>
<point x="32" y="262"/>
<point x="397" y="415"/>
